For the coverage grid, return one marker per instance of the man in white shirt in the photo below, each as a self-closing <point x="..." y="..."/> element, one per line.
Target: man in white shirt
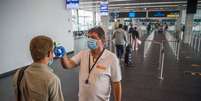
<point x="99" y="69"/>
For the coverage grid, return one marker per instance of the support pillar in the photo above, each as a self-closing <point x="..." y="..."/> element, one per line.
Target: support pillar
<point x="94" y="18"/>
<point x="188" y="28"/>
<point x="105" y="26"/>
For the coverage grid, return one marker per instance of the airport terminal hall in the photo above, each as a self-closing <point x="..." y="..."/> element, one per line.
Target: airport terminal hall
<point x="100" y="50"/>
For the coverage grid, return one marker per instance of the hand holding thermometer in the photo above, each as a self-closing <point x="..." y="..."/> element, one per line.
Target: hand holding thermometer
<point x="59" y="50"/>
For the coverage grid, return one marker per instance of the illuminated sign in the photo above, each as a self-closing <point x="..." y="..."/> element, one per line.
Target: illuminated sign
<point x="159" y="14"/>
<point x="172" y="16"/>
<point x="72" y="4"/>
<point x="131" y="14"/>
<point x="163" y="14"/>
<point x="104" y="8"/>
<point x="156" y="14"/>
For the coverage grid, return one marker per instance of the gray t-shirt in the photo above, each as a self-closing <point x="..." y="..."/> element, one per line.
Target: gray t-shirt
<point x="120" y="36"/>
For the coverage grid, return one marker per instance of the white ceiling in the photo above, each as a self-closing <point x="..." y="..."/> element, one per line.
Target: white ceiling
<point x="137" y="5"/>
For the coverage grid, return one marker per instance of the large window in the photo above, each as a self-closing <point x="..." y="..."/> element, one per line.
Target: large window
<point x="83" y="20"/>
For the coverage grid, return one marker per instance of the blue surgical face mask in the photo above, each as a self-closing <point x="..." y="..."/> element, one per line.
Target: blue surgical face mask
<point x="50" y="62"/>
<point x="92" y="43"/>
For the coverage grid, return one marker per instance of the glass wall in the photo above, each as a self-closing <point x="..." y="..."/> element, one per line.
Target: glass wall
<point x="84" y="20"/>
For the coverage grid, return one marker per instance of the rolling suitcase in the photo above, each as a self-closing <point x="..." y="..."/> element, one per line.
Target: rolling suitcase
<point x="128" y="55"/>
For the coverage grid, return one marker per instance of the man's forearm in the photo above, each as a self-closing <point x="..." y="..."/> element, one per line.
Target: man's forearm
<point x="117" y="91"/>
<point x="67" y="63"/>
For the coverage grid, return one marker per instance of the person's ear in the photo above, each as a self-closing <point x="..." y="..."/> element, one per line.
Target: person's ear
<point x="49" y="54"/>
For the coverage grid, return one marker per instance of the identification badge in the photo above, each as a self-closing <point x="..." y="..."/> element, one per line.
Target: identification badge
<point x="101" y="68"/>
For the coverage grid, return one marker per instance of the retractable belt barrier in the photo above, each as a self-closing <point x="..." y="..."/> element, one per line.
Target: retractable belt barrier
<point x="162" y="53"/>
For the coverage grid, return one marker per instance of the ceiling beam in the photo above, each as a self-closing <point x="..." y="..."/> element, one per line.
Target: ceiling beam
<point x="88" y="5"/>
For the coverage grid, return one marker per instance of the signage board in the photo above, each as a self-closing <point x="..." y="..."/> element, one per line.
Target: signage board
<point x="104" y="8"/>
<point x="131" y="14"/>
<point x="72" y="4"/>
<point x="171" y="14"/>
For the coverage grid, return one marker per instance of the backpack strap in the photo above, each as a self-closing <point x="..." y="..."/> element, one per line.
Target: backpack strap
<point x="19" y="79"/>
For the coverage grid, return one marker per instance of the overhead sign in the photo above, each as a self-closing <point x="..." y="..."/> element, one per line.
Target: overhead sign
<point x="159" y="14"/>
<point x="172" y="15"/>
<point x="131" y="14"/>
<point x="72" y="4"/>
<point x="104" y="8"/>
<point x="156" y="14"/>
<point x="163" y="14"/>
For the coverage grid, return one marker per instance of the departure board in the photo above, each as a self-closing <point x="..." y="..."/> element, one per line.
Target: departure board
<point x="163" y="13"/>
<point x="131" y="14"/>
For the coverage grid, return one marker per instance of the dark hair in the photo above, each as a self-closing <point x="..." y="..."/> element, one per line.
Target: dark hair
<point x="99" y="30"/>
<point x="40" y="46"/>
<point x="120" y="25"/>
